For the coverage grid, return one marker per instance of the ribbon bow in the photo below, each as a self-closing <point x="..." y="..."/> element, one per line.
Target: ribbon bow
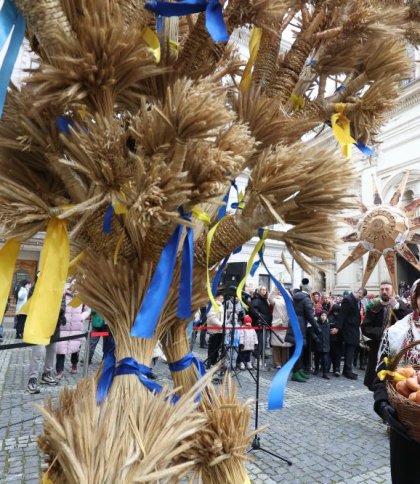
<point x="341" y="129"/>
<point x="10" y="19"/>
<point x="215" y="24"/>
<point x="185" y="362"/>
<point x="126" y="366"/>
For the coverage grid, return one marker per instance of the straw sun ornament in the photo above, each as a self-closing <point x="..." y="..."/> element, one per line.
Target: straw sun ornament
<point x="153" y="137"/>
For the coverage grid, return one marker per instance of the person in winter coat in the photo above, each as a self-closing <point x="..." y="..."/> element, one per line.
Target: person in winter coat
<point x="215" y="335"/>
<point x="99" y="326"/>
<point x="322" y="346"/>
<point x="349" y="327"/>
<point x="22" y="296"/>
<point x="45" y="355"/>
<point x="305" y="314"/>
<point x="317" y="303"/>
<point x="279" y="347"/>
<point x="404" y="451"/>
<point x="383" y="312"/>
<point x="336" y="343"/>
<point x="261" y="314"/>
<point x="247" y="344"/>
<point x="75" y="317"/>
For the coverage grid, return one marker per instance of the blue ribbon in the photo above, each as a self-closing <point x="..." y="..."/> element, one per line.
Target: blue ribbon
<point x="186" y="362"/>
<point x="365" y="149"/>
<point x="10" y="19"/>
<point x="109" y="213"/>
<point x="278" y="385"/>
<point x="126" y="366"/>
<point x="185" y="284"/>
<point x="215" y="24"/>
<point x="64" y="125"/>
<point x="157" y="292"/>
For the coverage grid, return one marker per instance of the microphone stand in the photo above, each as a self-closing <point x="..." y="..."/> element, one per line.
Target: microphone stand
<point x="256" y="441"/>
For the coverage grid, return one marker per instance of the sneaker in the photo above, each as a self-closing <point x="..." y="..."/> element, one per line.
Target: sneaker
<point x="315" y="372"/>
<point x="73" y="368"/>
<point x="303" y="374"/>
<point x="337" y="373"/>
<point x="33" y="386"/>
<point x="48" y="379"/>
<point x="298" y="377"/>
<point x="249" y="366"/>
<point x="60" y="375"/>
<point x="325" y="376"/>
<point x="242" y="366"/>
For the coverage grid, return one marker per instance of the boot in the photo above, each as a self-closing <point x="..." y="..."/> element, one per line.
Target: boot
<point x="325" y="376"/>
<point x="316" y="371"/>
<point x="298" y="377"/>
<point x="303" y="374"/>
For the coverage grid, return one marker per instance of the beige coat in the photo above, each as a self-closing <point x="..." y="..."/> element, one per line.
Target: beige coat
<point x="280" y="318"/>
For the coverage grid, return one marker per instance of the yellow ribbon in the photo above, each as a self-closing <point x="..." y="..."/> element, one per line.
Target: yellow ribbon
<point x="82" y="110"/>
<point x="396" y="376"/>
<point x="254" y="46"/>
<point x="341" y="129"/>
<point x="209" y="240"/>
<point x="118" y="248"/>
<point x="152" y="41"/>
<point x="73" y="264"/>
<point x="46" y="299"/>
<point x="174" y="46"/>
<point x="298" y="102"/>
<point x="46" y="479"/>
<point x="241" y="285"/>
<point x="201" y="215"/>
<point x="8" y="256"/>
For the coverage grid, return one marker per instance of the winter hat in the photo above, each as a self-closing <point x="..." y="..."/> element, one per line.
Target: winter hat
<point x="306" y="286"/>
<point x="247" y="319"/>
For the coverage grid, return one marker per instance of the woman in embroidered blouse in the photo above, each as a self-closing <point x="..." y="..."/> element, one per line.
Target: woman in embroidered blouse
<point x="404" y="452"/>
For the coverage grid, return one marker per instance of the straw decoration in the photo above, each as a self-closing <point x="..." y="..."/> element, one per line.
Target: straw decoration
<point x="132" y="129"/>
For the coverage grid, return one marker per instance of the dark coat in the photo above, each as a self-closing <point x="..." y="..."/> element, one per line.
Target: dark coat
<point x="322" y="343"/>
<point x="260" y="304"/>
<point x="373" y="327"/>
<point x="333" y="320"/>
<point x="349" y="320"/>
<point x="305" y="314"/>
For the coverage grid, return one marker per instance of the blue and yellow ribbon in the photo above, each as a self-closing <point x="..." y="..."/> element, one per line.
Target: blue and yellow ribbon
<point x="257" y="248"/>
<point x="278" y="385"/>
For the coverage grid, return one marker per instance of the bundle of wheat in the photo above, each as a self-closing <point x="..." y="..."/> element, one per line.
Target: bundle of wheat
<point x="131" y="129"/>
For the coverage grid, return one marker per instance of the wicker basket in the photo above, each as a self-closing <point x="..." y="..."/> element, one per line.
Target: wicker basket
<point x="408" y="412"/>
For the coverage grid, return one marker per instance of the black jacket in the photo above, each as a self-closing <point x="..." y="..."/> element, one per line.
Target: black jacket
<point x="373" y="325"/>
<point x="349" y="320"/>
<point x="260" y="304"/>
<point x="322" y="343"/>
<point x="305" y="314"/>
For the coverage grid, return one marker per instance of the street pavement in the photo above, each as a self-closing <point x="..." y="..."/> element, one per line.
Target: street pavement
<point x="327" y="428"/>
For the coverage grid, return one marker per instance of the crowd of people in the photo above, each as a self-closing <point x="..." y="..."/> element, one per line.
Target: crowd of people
<point x="337" y="331"/>
<point x="47" y="363"/>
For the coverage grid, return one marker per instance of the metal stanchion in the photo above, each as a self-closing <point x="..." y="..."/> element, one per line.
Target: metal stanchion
<point x="264" y="364"/>
<point x="86" y="359"/>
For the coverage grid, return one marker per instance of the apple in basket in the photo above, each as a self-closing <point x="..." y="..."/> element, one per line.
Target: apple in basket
<point x="415" y="396"/>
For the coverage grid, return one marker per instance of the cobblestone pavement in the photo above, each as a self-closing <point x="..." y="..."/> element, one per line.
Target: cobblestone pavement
<point x="327" y="428"/>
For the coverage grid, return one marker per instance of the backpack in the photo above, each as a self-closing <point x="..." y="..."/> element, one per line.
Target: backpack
<point x="97" y="320"/>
